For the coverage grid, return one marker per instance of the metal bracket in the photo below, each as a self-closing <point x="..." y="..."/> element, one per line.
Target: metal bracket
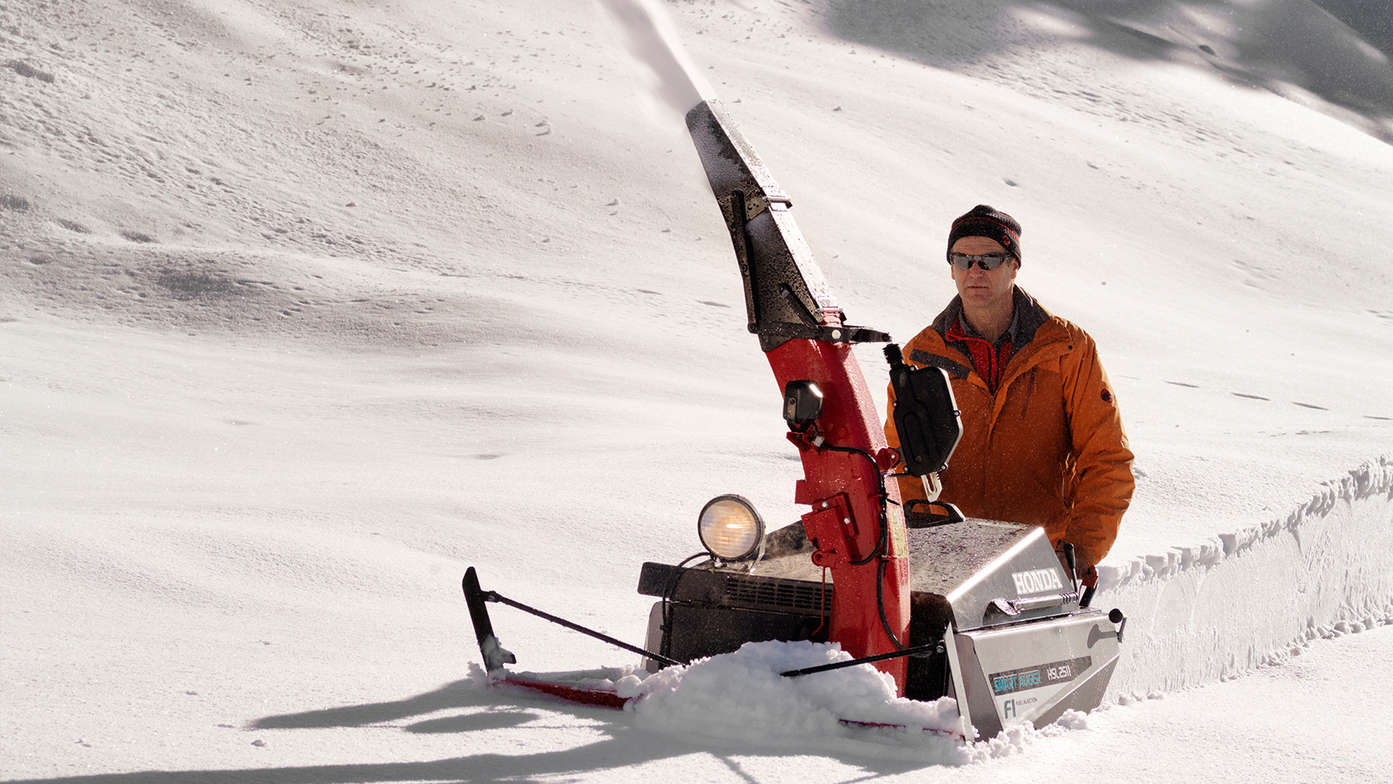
<point x="846" y="333"/>
<point x="1097" y="633"/>
<point x="948" y="514"/>
<point x="1014" y="607"/>
<point x="755" y="203"/>
<point x="832" y="529"/>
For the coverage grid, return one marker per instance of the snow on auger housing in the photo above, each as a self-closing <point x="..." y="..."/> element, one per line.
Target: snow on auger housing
<point x="979" y="610"/>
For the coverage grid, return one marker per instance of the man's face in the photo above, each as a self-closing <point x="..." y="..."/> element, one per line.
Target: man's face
<point x="984" y="288"/>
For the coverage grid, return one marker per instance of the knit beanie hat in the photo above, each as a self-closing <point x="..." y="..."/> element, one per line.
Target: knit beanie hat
<point x="986" y="221"/>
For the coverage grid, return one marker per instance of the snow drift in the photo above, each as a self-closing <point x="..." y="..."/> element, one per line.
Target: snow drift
<point x="1259" y="595"/>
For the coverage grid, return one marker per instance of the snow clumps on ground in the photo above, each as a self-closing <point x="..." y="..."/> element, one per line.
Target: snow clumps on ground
<point x="742" y="695"/>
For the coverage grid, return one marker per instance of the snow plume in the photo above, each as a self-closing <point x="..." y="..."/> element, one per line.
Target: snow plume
<point x="651" y="40"/>
<point x="1259" y="595"/>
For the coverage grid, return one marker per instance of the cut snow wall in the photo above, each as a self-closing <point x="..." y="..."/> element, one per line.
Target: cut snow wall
<point x="1205" y="613"/>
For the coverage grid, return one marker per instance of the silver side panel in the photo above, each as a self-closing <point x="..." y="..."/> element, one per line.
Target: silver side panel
<point x="1035" y="671"/>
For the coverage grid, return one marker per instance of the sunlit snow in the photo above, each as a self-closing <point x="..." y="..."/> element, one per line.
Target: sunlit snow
<point x="307" y="306"/>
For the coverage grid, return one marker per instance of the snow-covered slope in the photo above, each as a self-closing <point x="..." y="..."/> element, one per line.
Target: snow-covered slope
<point x="306" y="306"/>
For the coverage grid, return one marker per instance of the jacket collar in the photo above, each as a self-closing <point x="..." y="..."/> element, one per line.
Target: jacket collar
<point x="1026" y="320"/>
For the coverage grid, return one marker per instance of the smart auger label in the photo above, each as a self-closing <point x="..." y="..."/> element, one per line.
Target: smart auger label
<point x="1039" y="675"/>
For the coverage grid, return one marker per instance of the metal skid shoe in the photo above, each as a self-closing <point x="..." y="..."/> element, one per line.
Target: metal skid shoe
<point x="590" y="687"/>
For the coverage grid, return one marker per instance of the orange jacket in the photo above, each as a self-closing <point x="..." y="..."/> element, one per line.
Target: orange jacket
<point x="1048" y="447"/>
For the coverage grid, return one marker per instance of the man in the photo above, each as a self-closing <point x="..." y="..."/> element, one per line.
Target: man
<point x="1042" y="439"/>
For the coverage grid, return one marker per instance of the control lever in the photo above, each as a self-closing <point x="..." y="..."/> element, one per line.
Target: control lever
<point x="1089" y="578"/>
<point x="1090" y="584"/>
<point x="1070" y="563"/>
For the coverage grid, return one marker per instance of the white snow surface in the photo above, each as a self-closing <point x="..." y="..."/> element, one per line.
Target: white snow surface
<point x="307" y="306"/>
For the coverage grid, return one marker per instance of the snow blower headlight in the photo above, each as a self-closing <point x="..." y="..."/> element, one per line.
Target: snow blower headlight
<point x="730" y="528"/>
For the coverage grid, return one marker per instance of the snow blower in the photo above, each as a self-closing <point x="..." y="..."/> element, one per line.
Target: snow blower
<point x="979" y="610"/>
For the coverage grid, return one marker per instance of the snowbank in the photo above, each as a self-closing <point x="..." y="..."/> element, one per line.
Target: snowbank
<point x="1260" y="594"/>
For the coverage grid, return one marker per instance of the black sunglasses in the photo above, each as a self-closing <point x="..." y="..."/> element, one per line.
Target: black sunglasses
<point x="988" y="261"/>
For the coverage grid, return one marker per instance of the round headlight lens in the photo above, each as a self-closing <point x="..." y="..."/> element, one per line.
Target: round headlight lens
<point x="730" y="528"/>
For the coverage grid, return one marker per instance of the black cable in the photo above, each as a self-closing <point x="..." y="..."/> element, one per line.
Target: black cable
<point x="880" y="605"/>
<point x="665" y="648"/>
<point x="882" y="497"/>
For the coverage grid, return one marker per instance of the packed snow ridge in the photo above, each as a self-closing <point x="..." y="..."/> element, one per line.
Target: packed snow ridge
<point x="1258" y="595"/>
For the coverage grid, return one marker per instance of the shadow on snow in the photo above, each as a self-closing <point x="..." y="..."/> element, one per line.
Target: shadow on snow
<point x="1273" y="46"/>
<point x="623" y="746"/>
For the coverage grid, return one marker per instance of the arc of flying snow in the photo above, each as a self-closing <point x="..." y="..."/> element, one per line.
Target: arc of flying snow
<point x="651" y="40"/>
